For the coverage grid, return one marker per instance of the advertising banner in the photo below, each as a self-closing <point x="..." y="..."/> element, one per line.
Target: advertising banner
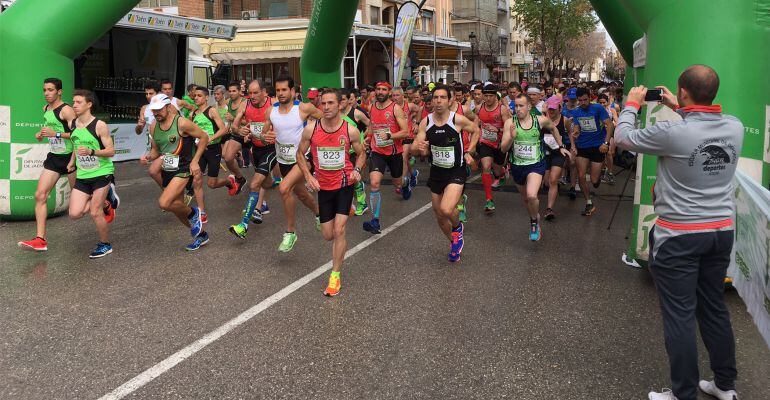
<point x="402" y="38"/>
<point x="128" y="145"/>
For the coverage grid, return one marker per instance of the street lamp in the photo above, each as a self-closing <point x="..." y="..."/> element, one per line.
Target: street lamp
<point x="472" y="38"/>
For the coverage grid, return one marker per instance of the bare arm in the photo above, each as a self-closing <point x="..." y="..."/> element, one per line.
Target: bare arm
<point x="223" y="129"/>
<point x="509" y="134"/>
<point x="402" y="124"/>
<point x="304" y="144"/>
<point x="308" y="110"/>
<point x="188" y="128"/>
<point x="104" y="135"/>
<point x="361" y="117"/>
<point x="68" y="114"/>
<point x="236" y="125"/>
<point x="466" y="124"/>
<point x="420" y="139"/>
<point x="140" y="122"/>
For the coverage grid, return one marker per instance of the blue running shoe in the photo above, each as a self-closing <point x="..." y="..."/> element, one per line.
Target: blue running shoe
<point x="112" y="197"/>
<point x="413" y="178"/>
<point x="101" y="250"/>
<point x="534" y="231"/>
<point x="265" y="209"/>
<point x="201" y="240"/>
<point x="196" y="226"/>
<point x="372" y="226"/>
<point x="457" y="244"/>
<point x="406" y="192"/>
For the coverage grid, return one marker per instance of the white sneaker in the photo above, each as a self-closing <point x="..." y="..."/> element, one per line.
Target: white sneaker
<point x="709" y="387"/>
<point x="666" y="394"/>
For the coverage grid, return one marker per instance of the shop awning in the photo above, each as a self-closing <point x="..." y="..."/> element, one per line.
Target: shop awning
<point x="153" y="21"/>
<point x="258" y="46"/>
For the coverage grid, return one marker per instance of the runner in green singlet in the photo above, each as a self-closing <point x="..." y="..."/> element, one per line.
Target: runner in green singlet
<point x="235" y="141"/>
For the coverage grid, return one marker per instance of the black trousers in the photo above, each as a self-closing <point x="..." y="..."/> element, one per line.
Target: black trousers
<point x="689" y="272"/>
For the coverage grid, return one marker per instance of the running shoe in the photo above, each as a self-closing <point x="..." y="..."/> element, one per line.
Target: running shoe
<point x="489" y="208"/>
<point x="534" y="231"/>
<point x="604" y="178"/>
<point x="200" y="241"/>
<point x="572" y="193"/>
<point x="666" y="394"/>
<point x="204" y="218"/>
<point x="109" y="212"/>
<point x="289" y="239"/>
<point x="709" y="387"/>
<point x="406" y="192"/>
<point x="318" y="223"/>
<point x="610" y="178"/>
<point x="589" y="210"/>
<point x="413" y="178"/>
<point x="256" y="216"/>
<point x="36" y="244"/>
<point x="234" y="186"/>
<point x="457" y="244"/>
<point x="372" y="226"/>
<point x="463" y="209"/>
<point x="196" y="226"/>
<point x="496" y="184"/>
<point x="241" y="183"/>
<point x="239" y="230"/>
<point x="112" y="197"/>
<point x="187" y="199"/>
<point x="265" y="209"/>
<point x="277" y="181"/>
<point x="101" y="250"/>
<point x="361" y="208"/>
<point x="563" y="181"/>
<point x="333" y="288"/>
<point x="398" y="191"/>
<point x="412" y="161"/>
<point x="549" y="215"/>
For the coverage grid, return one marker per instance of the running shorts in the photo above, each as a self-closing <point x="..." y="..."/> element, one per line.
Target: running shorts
<point x="57" y="163"/>
<point x="488" y="151"/>
<point x="333" y="202"/>
<point x="555" y="159"/>
<point x="395" y="163"/>
<point x="167" y="176"/>
<point x="441" y="177"/>
<point x="591" y="153"/>
<point x="210" y="160"/>
<point x="90" y="185"/>
<point x="264" y="159"/>
<point x="520" y="172"/>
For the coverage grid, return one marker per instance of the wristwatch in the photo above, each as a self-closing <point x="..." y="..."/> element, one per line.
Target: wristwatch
<point x="357" y="169"/>
<point x="606" y="143"/>
<point x="58" y="135"/>
<point x="93" y="152"/>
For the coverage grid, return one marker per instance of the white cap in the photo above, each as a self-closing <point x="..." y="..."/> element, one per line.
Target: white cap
<point x="159" y="101"/>
<point x="532" y="89"/>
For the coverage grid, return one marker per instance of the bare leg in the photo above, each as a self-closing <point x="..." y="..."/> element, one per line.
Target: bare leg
<point x="45" y="184"/>
<point x="232" y="148"/>
<point x="97" y="213"/>
<point x="154" y="171"/>
<point x="340" y="241"/>
<point x="553" y="190"/>
<point x="171" y="200"/>
<point x="582" y="168"/>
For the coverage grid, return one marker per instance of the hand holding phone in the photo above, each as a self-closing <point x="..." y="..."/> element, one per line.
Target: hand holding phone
<point x="653" y="95"/>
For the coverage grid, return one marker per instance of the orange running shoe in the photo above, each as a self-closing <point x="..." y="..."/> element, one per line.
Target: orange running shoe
<point x="109" y="212"/>
<point x="233" y="189"/>
<point x="334" y="286"/>
<point x="37" y="244"/>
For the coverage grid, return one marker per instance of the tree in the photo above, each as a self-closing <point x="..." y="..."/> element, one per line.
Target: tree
<point x="489" y="48"/>
<point x="614" y="65"/>
<point x="552" y="24"/>
<point x="583" y="51"/>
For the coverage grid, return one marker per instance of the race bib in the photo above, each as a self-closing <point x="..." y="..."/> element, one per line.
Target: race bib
<point x="443" y="157"/>
<point x="88" y="163"/>
<point x="524" y="151"/>
<point x="587" y="124"/>
<point x="331" y="158"/>
<point x="57" y="145"/>
<point x="256" y="129"/>
<point x="287" y="154"/>
<point x="550" y="142"/>
<point x="489" y="133"/>
<point x="378" y="137"/>
<point x="170" y="162"/>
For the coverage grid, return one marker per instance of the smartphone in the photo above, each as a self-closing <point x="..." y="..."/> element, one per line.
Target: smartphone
<point x="653" y="95"/>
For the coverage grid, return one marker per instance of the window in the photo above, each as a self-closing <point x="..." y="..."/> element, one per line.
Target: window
<point x="158" y="3"/>
<point x="226" y="9"/>
<point x="386" y="16"/>
<point x="374" y="15"/>
<point x="201" y="76"/>
<point x="208" y="6"/>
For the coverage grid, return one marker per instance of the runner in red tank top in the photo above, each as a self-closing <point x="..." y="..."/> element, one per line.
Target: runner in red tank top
<point x="387" y="129"/>
<point x="460" y="109"/>
<point x="492" y="116"/>
<point x="329" y="140"/>
<point x="411" y="111"/>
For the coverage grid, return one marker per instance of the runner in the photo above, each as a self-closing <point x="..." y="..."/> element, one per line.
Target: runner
<point x="592" y="129"/>
<point x="527" y="161"/>
<point x="167" y="88"/>
<point x="59" y="118"/>
<point x="188" y="98"/>
<point x="174" y="142"/>
<point x="411" y="111"/>
<point x="329" y="141"/>
<point x="465" y="111"/>
<point x="387" y="130"/>
<point x="360" y="119"/>
<point x="253" y="112"/>
<point x="207" y="118"/>
<point x="440" y="135"/>
<point x="536" y="97"/>
<point x="284" y="124"/>
<point x="93" y="150"/>
<point x="237" y="141"/>
<point x="570" y="104"/>
<point x="492" y="115"/>
<point x="477" y="97"/>
<point x="607" y="176"/>
<point x="555" y="160"/>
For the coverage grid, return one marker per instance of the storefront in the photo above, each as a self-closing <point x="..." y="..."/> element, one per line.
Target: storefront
<point x="142" y="46"/>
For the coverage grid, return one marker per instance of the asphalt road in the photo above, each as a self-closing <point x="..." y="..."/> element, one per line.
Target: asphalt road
<point x="559" y="319"/>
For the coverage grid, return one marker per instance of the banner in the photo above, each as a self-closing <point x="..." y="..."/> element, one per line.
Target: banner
<point x="750" y="267"/>
<point x="153" y="21"/>
<point x="128" y="145"/>
<point x="402" y="38"/>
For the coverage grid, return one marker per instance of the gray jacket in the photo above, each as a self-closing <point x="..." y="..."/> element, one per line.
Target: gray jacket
<point x="697" y="160"/>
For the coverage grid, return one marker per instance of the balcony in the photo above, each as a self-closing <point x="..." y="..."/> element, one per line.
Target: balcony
<point x="504" y="33"/>
<point x="521" y="59"/>
<point x="502" y="6"/>
<point x="503" y="61"/>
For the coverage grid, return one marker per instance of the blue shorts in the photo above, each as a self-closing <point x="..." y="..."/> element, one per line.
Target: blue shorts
<point x="520" y="172"/>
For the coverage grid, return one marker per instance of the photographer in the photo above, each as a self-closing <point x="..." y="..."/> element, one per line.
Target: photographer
<point x="692" y="239"/>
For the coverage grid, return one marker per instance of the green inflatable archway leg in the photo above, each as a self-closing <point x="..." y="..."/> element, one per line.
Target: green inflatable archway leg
<point x="326" y="42"/>
<point x="38" y="40"/>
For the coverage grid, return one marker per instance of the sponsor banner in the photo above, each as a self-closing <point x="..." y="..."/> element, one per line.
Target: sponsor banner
<point x="750" y="268"/>
<point x="128" y="145"/>
<point x="59" y="199"/>
<point x="5" y="124"/>
<point x="5" y="162"/>
<point x="23" y="197"/>
<point x="767" y="134"/>
<point x="5" y="197"/>
<point x="402" y="38"/>
<point x="174" y="24"/>
<point x="27" y="160"/>
<point x="644" y="225"/>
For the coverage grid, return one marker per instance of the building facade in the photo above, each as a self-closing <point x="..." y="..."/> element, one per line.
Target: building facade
<point x="477" y="22"/>
<point x="521" y="59"/>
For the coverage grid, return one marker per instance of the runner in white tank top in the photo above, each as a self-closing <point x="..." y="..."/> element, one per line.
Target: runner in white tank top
<point x="285" y="123"/>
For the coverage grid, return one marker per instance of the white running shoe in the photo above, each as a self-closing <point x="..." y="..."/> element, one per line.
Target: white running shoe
<point x="709" y="387"/>
<point x="666" y="394"/>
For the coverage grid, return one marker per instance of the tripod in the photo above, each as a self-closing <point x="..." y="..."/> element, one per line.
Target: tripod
<point x="631" y="170"/>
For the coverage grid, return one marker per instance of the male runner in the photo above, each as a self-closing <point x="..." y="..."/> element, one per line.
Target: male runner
<point x="411" y="111"/>
<point x="492" y="115"/>
<point x="607" y="176"/>
<point x="360" y="119"/>
<point x="592" y="129"/>
<point x="188" y="98"/>
<point x="513" y="90"/>
<point x="254" y="113"/>
<point x="329" y="141"/>
<point x="93" y="150"/>
<point x="207" y="118"/>
<point x="385" y="134"/>
<point x="440" y="136"/>
<point x="143" y="123"/>
<point x="59" y="117"/>
<point x="555" y="161"/>
<point x="237" y="141"/>
<point x="173" y="140"/>
<point x="167" y="88"/>
<point x="464" y="110"/>
<point x="284" y="124"/>
<point x="522" y="132"/>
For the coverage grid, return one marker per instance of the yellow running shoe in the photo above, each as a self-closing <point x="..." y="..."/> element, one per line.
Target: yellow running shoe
<point x="334" y="286"/>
